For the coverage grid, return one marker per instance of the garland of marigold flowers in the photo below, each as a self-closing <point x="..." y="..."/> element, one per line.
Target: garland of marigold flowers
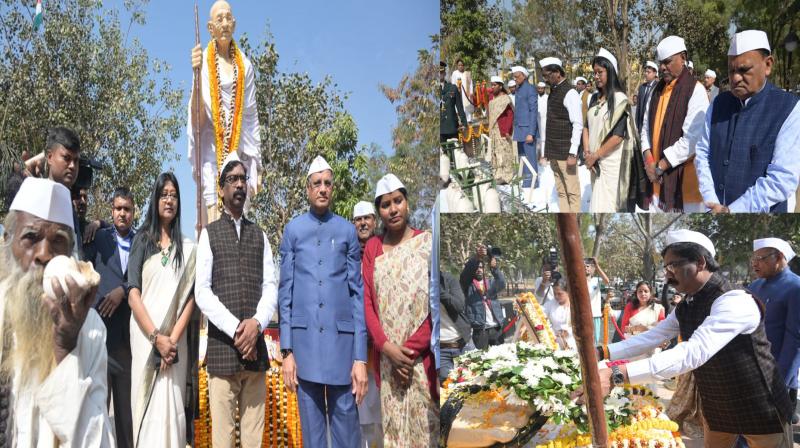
<point x="223" y="147"/>
<point x="473" y="131"/>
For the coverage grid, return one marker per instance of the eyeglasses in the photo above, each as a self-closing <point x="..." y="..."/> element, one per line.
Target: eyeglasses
<point x="233" y="178"/>
<point x="316" y="185"/>
<point x="671" y="267"/>
<point x="166" y="197"/>
<point x="759" y="259"/>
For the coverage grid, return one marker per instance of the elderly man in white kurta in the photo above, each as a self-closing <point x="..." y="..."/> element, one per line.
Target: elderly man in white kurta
<point x="227" y="115"/>
<point x="54" y="368"/>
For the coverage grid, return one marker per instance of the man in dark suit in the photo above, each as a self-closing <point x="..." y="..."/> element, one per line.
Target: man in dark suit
<point x="109" y="253"/>
<point x="452" y="117"/>
<point x="645" y="91"/>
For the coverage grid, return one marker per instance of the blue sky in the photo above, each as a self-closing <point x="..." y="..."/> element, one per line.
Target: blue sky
<point x="360" y="44"/>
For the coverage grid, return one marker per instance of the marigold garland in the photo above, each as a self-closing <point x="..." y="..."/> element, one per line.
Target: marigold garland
<point x="473" y="132"/>
<point x="533" y="311"/>
<point x="224" y="147"/>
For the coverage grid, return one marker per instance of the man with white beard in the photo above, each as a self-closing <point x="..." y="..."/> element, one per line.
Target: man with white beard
<point x="53" y="368"/>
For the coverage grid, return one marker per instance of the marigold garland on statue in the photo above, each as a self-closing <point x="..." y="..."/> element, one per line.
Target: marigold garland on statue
<point x="227" y="130"/>
<point x="532" y="311"/>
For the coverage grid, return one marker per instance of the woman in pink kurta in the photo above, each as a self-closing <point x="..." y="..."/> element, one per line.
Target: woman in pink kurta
<point x="396" y="267"/>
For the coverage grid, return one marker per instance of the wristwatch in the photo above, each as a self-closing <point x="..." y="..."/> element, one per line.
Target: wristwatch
<point x="286" y="352"/>
<point x="152" y="336"/>
<point x="659" y="171"/>
<point x="617" y="378"/>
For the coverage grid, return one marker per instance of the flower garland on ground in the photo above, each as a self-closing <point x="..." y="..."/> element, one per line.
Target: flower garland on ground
<point x="227" y="129"/>
<point x="537" y="376"/>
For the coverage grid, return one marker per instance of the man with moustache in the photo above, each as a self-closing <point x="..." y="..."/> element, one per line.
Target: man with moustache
<point x="779" y="288"/>
<point x="109" y="252"/>
<point x="364" y="220"/>
<point x="741" y="388"/>
<point x="673" y="122"/>
<point x="484" y="312"/>
<point x="53" y="371"/>
<point x="323" y="334"/>
<point x="237" y="290"/>
<point x="747" y="154"/>
<point x="369" y="411"/>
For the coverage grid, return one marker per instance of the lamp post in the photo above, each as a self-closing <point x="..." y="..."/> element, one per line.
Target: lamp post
<point x="790" y="43"/>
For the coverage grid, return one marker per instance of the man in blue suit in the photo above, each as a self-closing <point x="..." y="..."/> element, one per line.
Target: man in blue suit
<point x="109" y="253"/>
<point x="779" y="288"/>
<point x="323" y="335"/>
<point x="526" y="124"/>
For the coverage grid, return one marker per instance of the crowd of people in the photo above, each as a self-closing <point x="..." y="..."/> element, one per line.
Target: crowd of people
<point x="355" y="317"/>
<point x="679" y="145"/>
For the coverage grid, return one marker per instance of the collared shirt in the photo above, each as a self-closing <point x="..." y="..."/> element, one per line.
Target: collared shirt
<point x="780" y="181"/>
<point x="732" y="314"/>
<point x="572" y="101"/>
<point x="124" y="246"/>
<point x="209" y="303"/>
<point x="595" y="296"/>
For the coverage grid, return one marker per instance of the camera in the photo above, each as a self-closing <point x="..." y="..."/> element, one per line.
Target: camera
<point x="494" y="252"/>
<point x="553" y="258"/>
<point x="86" y="172"/>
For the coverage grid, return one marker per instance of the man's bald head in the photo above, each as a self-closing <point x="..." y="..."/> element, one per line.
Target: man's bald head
<point x="221" y="23"/>
<point x="217" y="5"/>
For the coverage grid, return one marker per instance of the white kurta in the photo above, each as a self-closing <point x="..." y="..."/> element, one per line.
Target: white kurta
<point x="249" y="149"/>
<point x="561" y="321"/>
<point x="69" y="407"/>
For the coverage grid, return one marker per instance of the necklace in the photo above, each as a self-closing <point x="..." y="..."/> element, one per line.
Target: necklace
<point x="165" y="254"/>
<point x="600" y="104"/>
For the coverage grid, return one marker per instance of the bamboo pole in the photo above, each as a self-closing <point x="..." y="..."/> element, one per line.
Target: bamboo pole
<point x="582" y="325"/>
<point x="198" y="165"/>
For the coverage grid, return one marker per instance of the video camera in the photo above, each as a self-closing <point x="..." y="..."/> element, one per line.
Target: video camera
<point x="86" y="173"/>
<point x="494" y="252"/>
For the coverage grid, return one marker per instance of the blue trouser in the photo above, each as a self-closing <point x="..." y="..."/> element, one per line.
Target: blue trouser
<point x="447" y="357"/>
<point x="529" y="151"/>
<point x="341" y="412"/>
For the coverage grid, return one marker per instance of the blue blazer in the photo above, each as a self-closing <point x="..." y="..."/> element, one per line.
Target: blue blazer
<point x="321" y="298"/>
<point x="104" y="255"/>
<point x="526" y="112"/>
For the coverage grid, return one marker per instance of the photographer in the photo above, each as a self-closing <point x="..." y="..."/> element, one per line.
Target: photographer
<point x="456" y="330"/>
<point x="483" y="310"/>
<point x="543" y="286"/>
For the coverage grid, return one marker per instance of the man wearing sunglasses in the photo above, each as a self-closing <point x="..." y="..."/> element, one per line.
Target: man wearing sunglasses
<point x="741" y="388"/>
<point x="778" y="287"/>
<point x="237" y="290"/>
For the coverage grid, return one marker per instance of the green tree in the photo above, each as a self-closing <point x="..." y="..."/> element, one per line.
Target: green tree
<point x="415" y="137"/>
<point x="82" y="71"/>
<point x="301" y="120"/>
<point x="474" y="31"/>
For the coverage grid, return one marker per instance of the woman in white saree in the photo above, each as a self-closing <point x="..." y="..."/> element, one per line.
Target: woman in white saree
<point x="161" y="279"/>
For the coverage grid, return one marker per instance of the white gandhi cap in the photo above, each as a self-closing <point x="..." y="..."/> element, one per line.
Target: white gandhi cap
<point x="603" y="53"/>
<point x="319" y="164"/>
<point x="550" y="61"/>
<point x="496" y="79"/>
<point x="747" y="41"/>
<point x="363" y="208"/>
<point x="690" y="236"/>
<point x="519" y="68"/>
<point x="668" y="46"/>
<point x="388" y="184"/>
<point x="775" y="243"/>
<point x="44" y="199"/>
<point x="711" y="73"/>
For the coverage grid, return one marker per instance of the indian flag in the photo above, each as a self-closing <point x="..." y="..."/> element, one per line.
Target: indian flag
<point x="37" y="19"/>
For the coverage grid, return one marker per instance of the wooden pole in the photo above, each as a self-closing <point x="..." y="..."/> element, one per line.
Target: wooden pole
<point x="583" y="325"/>
<point x="198" y="165"/>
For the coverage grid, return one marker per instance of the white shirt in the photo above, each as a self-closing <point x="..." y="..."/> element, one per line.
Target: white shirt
<point x="209" y="303"/>
<point x="560" y="319"/>
<point x="684" y="147"/>
<point x="542" y="105"/>
<point x="123" y="254"/>
<point x="548" y="295"/>
<point x="249" y="149"/>
<point x="594" y="296"/>
<point x="447" y="331"/>
<point x="572" y="101"/>
<point x="69" y="406"/>
<point x="732" y="314"/>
